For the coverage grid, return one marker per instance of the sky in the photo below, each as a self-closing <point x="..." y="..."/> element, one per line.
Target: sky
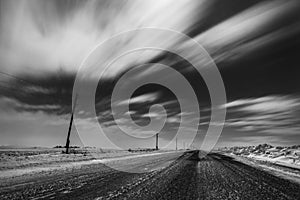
<point x="255" y="45"/>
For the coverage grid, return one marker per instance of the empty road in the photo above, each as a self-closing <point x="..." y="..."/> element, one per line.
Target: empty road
<point x="185" y="177"/>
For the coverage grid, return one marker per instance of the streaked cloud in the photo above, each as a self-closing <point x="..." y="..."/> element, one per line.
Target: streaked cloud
<point x="39" y="36"/>
<point x="270" y="114"/>
<point x="277" y="104"/>
<point x="140" y="99"/>
<point x="247" y="27"/>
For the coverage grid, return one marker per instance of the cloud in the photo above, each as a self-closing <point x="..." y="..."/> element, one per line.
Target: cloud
<point x="173" y="120"/>
<point x="264" y="104"/>
<point x="140" y="99"/>
<point x="242" y="102"/>
<point x="12" y="104"/>
<point x="275" y="104"/>
<point x="270" y="114"/>
<point x="151" y="114"/>
<point x="54" y="36"/>
<point x="50" y="93"/>
<point x="246" y="27"/>
<point x="38" y="36"/>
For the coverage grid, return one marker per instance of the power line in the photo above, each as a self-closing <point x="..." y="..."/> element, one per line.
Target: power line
<point x="15" y="77"/>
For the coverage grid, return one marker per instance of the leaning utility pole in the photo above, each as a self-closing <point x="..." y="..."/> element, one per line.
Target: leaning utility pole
<point x="70" y="126"/>
<point x="156" y="141"/>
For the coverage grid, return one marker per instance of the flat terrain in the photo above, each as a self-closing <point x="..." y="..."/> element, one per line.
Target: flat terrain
<point x="166" y="176"/>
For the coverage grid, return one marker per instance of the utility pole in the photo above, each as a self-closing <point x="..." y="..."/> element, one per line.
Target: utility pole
<point x="176" y="143"/>
<point x="156" y="141"/>
<point x="70" y="127"/>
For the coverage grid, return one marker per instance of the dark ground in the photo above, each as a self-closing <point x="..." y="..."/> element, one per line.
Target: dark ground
<point x="215" y="177"/>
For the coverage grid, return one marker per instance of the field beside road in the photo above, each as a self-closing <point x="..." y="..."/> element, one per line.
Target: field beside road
<point x="173" y="175"/>
<point x="20" y="158"/>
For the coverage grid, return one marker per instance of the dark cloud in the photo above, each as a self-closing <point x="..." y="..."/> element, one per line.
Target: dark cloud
<point x="51" y="93"/>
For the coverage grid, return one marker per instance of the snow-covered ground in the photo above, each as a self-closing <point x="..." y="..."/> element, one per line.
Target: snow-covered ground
<point x="290" y="172"/>
<point x="281" y="161"/>
<point x="285" y="156"/>
<point x="288" y="161"/>
<point x="17" y="162"/>
<point x="30" y="157"/>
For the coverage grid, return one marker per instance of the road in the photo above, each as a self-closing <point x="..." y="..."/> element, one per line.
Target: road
<point x="185" y="177"/>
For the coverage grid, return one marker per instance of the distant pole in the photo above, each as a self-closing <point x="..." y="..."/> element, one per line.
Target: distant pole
<point x="156" y="141"/>
<point x="70" y="127"/>
<point x="176" y="143"/>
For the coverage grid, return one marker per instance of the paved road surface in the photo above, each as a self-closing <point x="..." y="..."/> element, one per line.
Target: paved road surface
<point x="215" y="177"/>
